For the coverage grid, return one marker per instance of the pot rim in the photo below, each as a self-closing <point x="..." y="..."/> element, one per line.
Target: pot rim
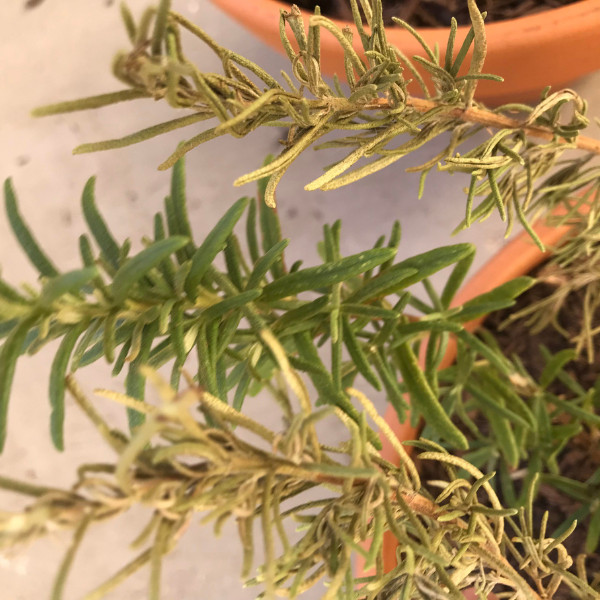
<point x="564" y="16"/>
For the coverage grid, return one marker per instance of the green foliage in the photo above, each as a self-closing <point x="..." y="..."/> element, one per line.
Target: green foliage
<point x="154" y="307"/>
<point x="256" y="324"/>
<point x="521" y="427"/>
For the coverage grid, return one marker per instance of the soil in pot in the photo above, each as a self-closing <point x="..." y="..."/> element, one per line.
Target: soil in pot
<point x="580" y="459"/>
<point x="437" y="13"/>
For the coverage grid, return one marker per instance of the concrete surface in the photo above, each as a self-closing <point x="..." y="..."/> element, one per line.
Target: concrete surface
<point x="62" y="49"/>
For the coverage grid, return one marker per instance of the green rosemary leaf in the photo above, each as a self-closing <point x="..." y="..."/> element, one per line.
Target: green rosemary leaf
<point x="9" y="353"/>
<point x="128" y="21"/>
<point x="58" y="373"/>
<point x="418" y="37"/>
<point x="218" y="310"/>
<point x="576" y="489"/>
<point x="7" y="326"/>
<point x="462" y="53"/>
<point x="120" y="362"/>
<point x="491" y="401"/>
<point x="31" y="248"/>
<point x="496" y="194"/>
<point x="85" y="250"/>
<point x="66" y="283"/>
<point x="393" y="242"/>
<point x="585" y="416"/>
<point x="269" y="223"/>
<point x="422" y="266"/>
<point x="160" y="26"/>
<point x="322" y="379"/>
<point x="478" y="76"/>
<point x="470" y="197"/>
<point x="241" y="392"/>
<point x="302" y="313"/>
<point x="251" y="236"/>
<point x="221" y="378"/>
<point x="90" y="102"/>
<point x="326" y="275"/>
<point x="228" y="330"/>
<point x="88" y="338"/>
<point x="233" y="261"/>
<point x="358" y="356"/>
<point x="135" y="382"/>
<point x="177" y="333"/>
<point x="8" y="293"/>
<point x="501" y="388"/>
<point x="108" y="338"/>
<point x="162" y="353"/>
<point x="424" y="401"/>
<point x="178" y="197"/>
<point x="265" y="263"/>
<point x="456" y="279"/>
<point x="450" y="46"/>
<point x="166" y="266"/>
<point x="108" y="246"/>
<point x="500" y="297"/>
<point x="437" y="73"/>
<point x="555" y="365"/>
<point x="494" y="357"/>
<point x="86" y="355"/>
<point x="206" y="363"/>
<point x="211" y="246"/>
<point x="593" y="533"/>
<point x="505" y="437"/>
<point x="137" y="266"/>
<point x="479" y="51"/>
<point x="142" y="135"/>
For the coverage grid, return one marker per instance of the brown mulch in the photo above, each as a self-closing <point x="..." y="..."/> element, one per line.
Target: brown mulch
<point x="437" y="13"/>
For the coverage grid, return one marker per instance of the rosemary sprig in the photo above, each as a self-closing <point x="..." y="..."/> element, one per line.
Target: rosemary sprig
<point x="375" y="118"/>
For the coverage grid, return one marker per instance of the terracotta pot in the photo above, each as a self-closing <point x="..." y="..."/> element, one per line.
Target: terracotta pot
<point x="519" y="257"/>
<point x="554" y="47"/>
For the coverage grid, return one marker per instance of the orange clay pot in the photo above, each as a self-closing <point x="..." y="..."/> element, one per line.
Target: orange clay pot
<point x="517" y="258"/>
<point x="554" y="47"/>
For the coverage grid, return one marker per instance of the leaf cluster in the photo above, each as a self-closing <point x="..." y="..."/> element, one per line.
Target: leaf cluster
<point x="518" y="428"/>
<point x="181" y="465"/>
<point x="375" y="117"/>
<point x="171" y="299"/>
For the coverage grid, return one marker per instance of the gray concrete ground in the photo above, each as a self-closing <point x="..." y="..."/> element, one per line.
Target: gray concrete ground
<point x="62" y="49"/>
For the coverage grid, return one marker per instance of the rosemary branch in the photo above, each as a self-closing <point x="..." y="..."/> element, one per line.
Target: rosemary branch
<point x="375" y="118"/>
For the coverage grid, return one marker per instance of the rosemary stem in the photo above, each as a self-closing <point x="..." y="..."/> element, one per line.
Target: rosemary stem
<point x="492" y="119"/>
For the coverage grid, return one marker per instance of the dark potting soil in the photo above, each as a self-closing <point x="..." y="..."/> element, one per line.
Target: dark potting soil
<point x="437" y="13"/>
<point x="581" y="457"/>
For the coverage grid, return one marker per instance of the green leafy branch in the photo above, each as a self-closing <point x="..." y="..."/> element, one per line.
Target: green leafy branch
<point x="160" y="304"/>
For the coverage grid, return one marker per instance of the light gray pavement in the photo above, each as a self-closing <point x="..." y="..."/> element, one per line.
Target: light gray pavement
<point x="62" y="49"/>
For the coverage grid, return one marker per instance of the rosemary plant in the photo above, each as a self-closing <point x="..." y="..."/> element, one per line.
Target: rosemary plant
<point x="233" y="318"/>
